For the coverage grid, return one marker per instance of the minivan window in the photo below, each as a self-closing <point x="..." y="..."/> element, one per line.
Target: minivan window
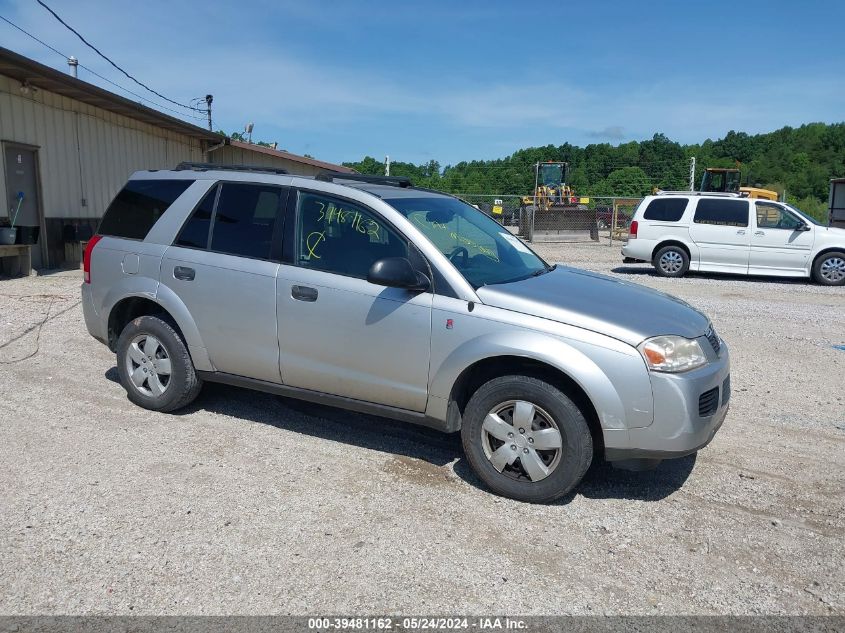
<point x="244" y="220"/>
<point x="138" y="207"/>
<point x="665" y="209"/>
<point x="342" y="237"/>
<point x="194" y="233"/>
<point x="721" y="212"/>
<point x="772" y="216"/>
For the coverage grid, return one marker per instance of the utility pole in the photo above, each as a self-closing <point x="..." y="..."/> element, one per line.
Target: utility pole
<point x="387" y="165"/>
<point x="692" y="174"/>
<point x="208" y="100"/>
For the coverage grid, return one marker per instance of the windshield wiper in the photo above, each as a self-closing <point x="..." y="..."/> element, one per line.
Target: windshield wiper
<point x="543" y="271"/>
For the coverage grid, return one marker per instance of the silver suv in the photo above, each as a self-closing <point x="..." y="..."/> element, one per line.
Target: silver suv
<point x="369" y="294"/>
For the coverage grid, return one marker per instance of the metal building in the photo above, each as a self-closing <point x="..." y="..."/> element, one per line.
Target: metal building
<point x="68" y="147"/>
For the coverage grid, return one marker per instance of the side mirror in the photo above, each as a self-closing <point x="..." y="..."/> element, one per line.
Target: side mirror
<point x="803" y="227"/>
<point x="397" y="272"/>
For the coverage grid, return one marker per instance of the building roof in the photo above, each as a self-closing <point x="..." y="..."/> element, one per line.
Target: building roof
<point x="287" y="155"/>
<point x="32" y="73"/>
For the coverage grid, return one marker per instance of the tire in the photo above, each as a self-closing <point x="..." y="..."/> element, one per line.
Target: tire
<point x="564" y="466"/>
<point x="671" y="261"/>
<point x="151" y="387"/>
<point x="829" y="269"/>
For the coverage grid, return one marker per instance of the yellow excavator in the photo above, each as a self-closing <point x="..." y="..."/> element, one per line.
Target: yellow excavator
<point x="727" y="179"/>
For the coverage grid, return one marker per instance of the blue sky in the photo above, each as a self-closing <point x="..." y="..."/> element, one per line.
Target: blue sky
<point x="456" y="81"/>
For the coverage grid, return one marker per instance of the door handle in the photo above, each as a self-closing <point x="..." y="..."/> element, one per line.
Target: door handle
<point x="184" y="273"/>
<point x="759" y="232"/>
<point x="741" y="232"/>
<point x="303" y="293"/>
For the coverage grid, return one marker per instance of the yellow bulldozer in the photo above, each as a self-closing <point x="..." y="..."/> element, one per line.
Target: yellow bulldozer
<point x="727" y="180"/>
<point x="550" y="189"/>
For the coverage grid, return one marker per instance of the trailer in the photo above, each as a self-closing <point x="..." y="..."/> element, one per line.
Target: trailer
<point x="836" y="202"/>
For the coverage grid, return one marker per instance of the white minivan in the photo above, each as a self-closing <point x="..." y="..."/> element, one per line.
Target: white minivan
<point x="729" y="233"/>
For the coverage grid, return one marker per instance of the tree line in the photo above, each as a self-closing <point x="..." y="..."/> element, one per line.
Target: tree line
<point x="798" y="161"/>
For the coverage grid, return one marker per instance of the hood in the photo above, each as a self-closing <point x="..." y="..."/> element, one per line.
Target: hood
<point x="620" y="309"/>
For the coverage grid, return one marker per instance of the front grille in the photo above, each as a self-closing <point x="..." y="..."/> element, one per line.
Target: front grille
<point x="708" y="403"/>
<point x="726" y="391"/>
<point x="715" y="342"/>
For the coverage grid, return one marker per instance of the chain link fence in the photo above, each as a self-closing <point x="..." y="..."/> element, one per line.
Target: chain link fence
<point x="567" y="219"/>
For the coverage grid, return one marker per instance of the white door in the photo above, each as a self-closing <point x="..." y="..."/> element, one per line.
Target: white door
<point x="721" y="232"/>
<point x="781" y="242"/>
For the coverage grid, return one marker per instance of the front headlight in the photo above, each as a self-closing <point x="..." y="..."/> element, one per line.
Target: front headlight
<point x="672" y="353"/>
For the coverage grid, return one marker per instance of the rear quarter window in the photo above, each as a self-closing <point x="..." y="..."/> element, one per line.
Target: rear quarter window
<point x="721" y="212"/>
<point x="665" y="209"/>
<point x="138" y="207"/>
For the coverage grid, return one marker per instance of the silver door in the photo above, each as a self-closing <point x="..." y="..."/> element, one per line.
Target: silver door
<point x="22" y="199"/>
<point x="232" y="298"/>
<point x="338" y="333"/>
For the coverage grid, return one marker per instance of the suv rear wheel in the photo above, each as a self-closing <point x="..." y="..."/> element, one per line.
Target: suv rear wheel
<point x="671" y="261"/>
<point x="526" y="439"/>
<point x="154" y="365"/>
<point x="829" y="269"/>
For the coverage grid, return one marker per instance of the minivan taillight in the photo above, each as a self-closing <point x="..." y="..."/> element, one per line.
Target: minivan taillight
<point x="86" y="257"/>
<point x="632" y="231"/>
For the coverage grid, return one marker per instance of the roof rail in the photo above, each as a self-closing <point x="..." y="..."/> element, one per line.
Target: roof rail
<point x="188" y="166"/>
<point x="393" y="181"/>
<point x="724" y="194"/>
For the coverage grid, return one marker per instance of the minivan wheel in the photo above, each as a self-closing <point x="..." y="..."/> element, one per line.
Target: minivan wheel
<point x="829" y="269"/>
<point x="526" y="439"/>
<point x="671" y="261"/>
<point x="154" y="365"/>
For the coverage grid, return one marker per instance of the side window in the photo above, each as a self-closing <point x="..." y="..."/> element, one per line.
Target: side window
<point x="342" y="237"/>
<point x="721" y="212"/>
<point x="771" y="216"/>
<point x="194" y="233"/>
<point x="665" y="209"/>
<point x="138" y="207"/>
<point x="244" y="220"/>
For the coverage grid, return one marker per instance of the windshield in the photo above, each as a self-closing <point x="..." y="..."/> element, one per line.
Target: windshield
<point x="809" y="218"/>
<point x="482" y="250"/>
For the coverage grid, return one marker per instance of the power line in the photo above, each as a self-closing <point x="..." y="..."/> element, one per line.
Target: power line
<point x="96" y="74"/>
<point x="101" y="54"/>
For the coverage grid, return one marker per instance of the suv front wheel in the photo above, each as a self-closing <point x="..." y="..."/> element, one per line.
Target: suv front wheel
<point x="829" y="269"/>
<point x="154" y="365"/>
<point x="526" y="439"/>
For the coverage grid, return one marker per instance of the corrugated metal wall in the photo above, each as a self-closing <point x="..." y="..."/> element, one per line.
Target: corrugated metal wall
<point x="84" y="152"/>
<point x="237" y="156"/>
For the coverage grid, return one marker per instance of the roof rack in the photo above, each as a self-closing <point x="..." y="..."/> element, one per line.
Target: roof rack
<point x="392" y="181"/>
<point x="188" y="166"/>
<point x="723" y="194"/>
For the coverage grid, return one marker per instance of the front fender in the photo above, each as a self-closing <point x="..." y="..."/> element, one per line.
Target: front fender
<point x="613" y="377"/>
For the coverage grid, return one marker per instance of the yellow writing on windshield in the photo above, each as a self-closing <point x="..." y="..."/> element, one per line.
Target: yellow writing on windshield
<point x="459" y="239"/>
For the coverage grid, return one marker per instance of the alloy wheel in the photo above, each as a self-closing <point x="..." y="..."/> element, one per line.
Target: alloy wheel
<point x="148" y="365"/>
<point x="521" y="440"/>
<point x="671" y="262"/>
<point x="833" y="269"/>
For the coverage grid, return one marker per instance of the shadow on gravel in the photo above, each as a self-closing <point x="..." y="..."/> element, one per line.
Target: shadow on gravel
<point x="648" y="271"/>
<point x="602" y="481"/>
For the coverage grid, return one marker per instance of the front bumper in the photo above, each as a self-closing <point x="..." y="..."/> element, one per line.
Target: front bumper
<point x="679" y="428"/>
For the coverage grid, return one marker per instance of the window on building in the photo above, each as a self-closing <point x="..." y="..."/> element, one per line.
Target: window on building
<point x="341" y="237"/>
<point x="665" y="209"/>
<point x="721" y="212"/>
<point x="138" y="207"/>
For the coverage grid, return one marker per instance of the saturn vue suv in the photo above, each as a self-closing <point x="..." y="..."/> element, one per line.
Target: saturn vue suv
<point x="372" y="295"/>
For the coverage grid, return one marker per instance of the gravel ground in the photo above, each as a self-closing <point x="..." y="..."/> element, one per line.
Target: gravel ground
<point x="247" y="503"/>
